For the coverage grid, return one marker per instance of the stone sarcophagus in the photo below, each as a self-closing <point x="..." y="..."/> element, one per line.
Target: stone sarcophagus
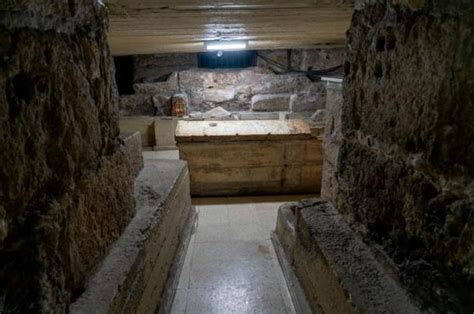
<point x="250" y="157"/>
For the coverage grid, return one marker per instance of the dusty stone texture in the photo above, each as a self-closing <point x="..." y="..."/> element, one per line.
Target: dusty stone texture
<point x="250" y="157"/>
<point x="332" y="139"/>
<point x="164" y="133"/>
<point x="406" y="164"/>
<point x="65" y="187"/>
<point x="156" y="75"/>
<point x="133" y="148"/>
<point x="304" y="59"/>
<point x="233" y="89"/>
<point x="134" y="275"/>
<point x="140" y="104"/>
<point x="338" y="272"/>
<point x="275" y="102"/>
<point x="155" y="67"/>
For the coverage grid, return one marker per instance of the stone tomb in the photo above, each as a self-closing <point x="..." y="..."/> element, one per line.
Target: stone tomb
<point x="250" y="157"/>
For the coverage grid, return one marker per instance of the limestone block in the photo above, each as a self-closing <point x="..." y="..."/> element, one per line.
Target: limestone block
<point x="250" y="157"/>
<point x="134" y="275"/>
<point x="218" y="95"/>
<point x="196" y="115"/>
<point x="167" y="87"/>
<point x="164" y="133"/>
<point x="277" y="102"/>
<point x="338" y="272"/>
<point x="259" y="115"/>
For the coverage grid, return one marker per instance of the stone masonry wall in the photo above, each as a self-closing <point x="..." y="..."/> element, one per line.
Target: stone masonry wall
<point x="406" y="164"/>
<point x="65" y="184"/>
<point x="234" y="90"/>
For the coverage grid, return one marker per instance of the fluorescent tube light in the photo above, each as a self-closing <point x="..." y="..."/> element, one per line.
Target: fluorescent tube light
<point x="226" y="45"/>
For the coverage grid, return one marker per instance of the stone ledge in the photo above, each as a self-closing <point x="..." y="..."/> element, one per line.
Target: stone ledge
<point x="134" y="274"/>
<point x="271" y="102"/>
<point x="338" y="272"/>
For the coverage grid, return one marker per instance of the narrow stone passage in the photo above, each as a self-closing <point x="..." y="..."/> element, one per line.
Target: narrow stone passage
<point x="230" y="265"/>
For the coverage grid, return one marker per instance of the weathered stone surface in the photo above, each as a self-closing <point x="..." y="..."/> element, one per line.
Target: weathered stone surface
<point x="196" y="115"/>
<point x="139" y="104"/>
<point x="310" y="100"/>
<point x="277" y="102"/>
<point x="166" y="88"/>
<point x="133" y="276"/>
<point x="164" y="133"/>
<point x="338" y="272"/>
<point x="233" y="89"/>
<point x="250" y="157"/>
<point x="65" y="185"/>
<point x="133" y="148"/>
<point x="217" y="113"/>
<point x="150" y="68"/>
<point x="332" y="140"/>
<point x="405" y="168"/>
<point x="218" y="95"/>
<point x="286" y="229"/>
<point x="304" y="59"/>
<point x="155" y="67"/>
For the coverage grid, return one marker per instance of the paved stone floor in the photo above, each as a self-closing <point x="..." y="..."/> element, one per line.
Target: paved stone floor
<point x="231" y="266"/>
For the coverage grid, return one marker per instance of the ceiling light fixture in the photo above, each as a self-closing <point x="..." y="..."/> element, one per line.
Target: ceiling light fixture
<point x="226" y="45"/>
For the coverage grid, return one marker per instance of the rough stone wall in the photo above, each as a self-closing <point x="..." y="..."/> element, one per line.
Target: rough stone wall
<point x="231" y="89"/>
<point x="304" y="59"/>
<point x="153" y="68"/>
<point x="406" y="165"/>
<point x="65" y="184"/>
<point x="155" y="76"/>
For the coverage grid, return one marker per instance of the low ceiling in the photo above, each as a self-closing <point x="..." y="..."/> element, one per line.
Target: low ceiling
<point x="162" y="26"/>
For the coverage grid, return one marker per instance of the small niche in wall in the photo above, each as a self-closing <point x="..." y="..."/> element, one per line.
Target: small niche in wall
<point x="124" y="74"/>
<point x="227" y="59"/>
